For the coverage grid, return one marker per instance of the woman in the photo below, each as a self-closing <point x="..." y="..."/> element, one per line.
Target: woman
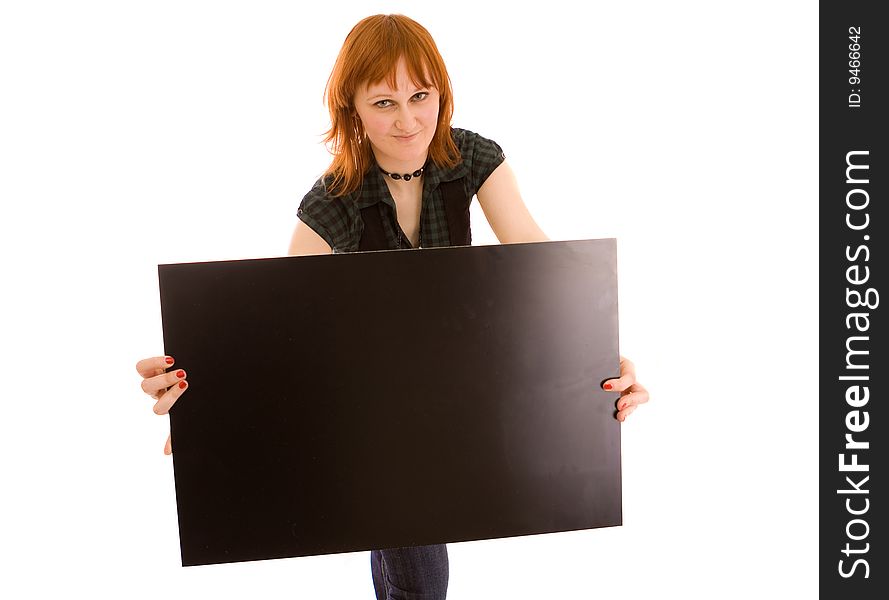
<point x="401" y="177"/>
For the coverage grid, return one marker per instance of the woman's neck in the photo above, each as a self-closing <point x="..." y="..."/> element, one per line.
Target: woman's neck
<point x="400" y="167"/>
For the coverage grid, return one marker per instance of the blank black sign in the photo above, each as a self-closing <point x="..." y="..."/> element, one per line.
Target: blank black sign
<point x="385" y="399"/>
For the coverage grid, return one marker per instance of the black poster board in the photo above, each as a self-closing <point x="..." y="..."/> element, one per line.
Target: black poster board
<point x="348" y="402"/>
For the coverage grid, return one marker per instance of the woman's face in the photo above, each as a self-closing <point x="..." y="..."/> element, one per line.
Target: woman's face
<point x="399" y="122"/>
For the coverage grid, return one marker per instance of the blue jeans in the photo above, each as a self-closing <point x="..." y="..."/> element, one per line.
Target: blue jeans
<point x="418" y="573"/>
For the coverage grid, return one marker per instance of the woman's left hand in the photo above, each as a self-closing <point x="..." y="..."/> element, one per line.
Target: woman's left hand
<point x="632" y="393"/>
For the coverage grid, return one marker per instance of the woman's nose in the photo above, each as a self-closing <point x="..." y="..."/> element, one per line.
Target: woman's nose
<point x="405" y="120"/>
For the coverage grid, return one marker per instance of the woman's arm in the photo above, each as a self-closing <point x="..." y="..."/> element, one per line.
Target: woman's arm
<point x="505" y="210"/>
<point x="305" y="241"/>
<point x="511" y="222"/>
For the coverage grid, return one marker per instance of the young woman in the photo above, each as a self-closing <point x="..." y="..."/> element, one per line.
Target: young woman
<point x="401" y="177"/>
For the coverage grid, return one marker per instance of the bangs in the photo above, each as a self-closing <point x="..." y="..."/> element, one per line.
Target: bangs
<point x="380" y="61"/>
<point x="418" y="73"/>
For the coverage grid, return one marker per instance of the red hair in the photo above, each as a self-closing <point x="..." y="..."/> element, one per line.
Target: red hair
<point x="369" y="55"/>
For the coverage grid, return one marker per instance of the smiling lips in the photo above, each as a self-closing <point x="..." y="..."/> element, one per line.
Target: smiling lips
<point x="407" y="138"/>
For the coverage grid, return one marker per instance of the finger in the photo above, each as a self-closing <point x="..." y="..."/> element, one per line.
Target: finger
<point x="149" y="367"/>
<point x="626" y="379"/>
<point x="155" y="386"/>
<point x="168" y="399"/>
<point x="632" y="399"/>
<point x="634" y="396"/>
<point x="623" y="414"/>
<point x="620" y="384"/>
<point x="168" y="447"/>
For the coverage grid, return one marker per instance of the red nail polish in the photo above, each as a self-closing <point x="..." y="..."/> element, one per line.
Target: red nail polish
<point x="607" y="386"/>
<point x="169" y="360"/>
<point x="182" y="385"/>
<point x="180" y="373"/>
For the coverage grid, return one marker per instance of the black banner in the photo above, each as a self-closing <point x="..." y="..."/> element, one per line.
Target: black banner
<point x="471" y="373"/>
<point x="853" y="335"/>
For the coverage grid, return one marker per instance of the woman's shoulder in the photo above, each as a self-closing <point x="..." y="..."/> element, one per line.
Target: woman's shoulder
<point x="475" y="147"/>
<point x="481" y="156"/>
<point x="466" y="136"/>
<point x="319" y="196"/>
<point x="330" y="216"/>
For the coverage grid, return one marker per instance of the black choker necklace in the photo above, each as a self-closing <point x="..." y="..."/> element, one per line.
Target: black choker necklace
<point x="406" y="176"/>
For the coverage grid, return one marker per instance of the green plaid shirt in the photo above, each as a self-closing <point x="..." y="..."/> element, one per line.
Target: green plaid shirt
<point x="338" y="220"/>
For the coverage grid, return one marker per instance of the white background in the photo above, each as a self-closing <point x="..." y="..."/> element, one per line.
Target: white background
<point x="133" y="134"/>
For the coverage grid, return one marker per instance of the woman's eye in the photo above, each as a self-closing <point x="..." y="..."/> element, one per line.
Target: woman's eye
<point x="418" y="97"/>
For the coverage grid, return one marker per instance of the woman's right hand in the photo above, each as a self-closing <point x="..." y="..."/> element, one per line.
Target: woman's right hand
<point x="165" y="387"/>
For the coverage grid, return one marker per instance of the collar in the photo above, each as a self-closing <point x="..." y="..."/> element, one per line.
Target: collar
<point x="374" y="189"/>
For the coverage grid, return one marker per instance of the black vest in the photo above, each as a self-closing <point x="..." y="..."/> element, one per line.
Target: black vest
<point x="456" y="209"/>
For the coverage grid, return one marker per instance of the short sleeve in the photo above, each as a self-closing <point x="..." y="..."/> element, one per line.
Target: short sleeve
<point x="325" y="214"/>
<point x="481" y="155"/>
